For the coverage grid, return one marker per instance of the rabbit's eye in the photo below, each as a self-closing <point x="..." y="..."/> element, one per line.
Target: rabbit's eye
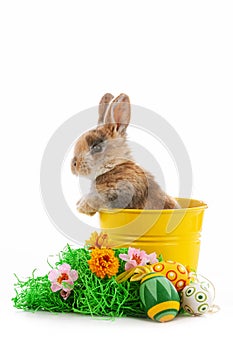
<point x="74" y="162"/>
<point x="96" y="148"/>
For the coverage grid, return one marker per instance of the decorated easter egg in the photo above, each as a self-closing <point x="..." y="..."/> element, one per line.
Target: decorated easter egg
<point x="196" y="299"/>
<point x="175" y="272"/>
<point x="159" y="297"/>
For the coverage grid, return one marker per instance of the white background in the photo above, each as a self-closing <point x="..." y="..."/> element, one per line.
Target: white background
<point x="58" y="58"/>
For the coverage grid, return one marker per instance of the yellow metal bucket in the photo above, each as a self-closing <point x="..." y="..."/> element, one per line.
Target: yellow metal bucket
<point x="173" y="233"/>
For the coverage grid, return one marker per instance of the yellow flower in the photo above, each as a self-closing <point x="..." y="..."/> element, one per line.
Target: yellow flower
<point x="99" y="241"/>
<point x="103" y="262"/>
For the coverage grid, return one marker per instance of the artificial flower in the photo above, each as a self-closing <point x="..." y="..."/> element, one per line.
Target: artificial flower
<point x="103" y="262"/>
<point x="63" y="279"/>
<point x="100" y="240"/>
<point x="152" y="258"/>
<point x="65" y="295"/>
<point x="137" y="257"/>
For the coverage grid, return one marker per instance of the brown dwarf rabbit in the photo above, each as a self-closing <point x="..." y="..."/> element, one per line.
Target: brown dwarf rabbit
<point x="102" y="154"/>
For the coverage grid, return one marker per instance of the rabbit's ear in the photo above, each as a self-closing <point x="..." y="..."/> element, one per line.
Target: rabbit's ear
<point x="103" y="105"/>
<point x="119" y="112"/>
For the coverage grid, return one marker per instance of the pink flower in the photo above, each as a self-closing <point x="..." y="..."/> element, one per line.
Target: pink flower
<point x="64" y="295"/>
<point x="137" y="257"/>
<point x="63" y="279"/>
<point x="152" y="258"/>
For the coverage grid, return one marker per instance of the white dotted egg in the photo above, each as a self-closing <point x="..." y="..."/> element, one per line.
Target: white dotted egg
<point x="196" y="299"/>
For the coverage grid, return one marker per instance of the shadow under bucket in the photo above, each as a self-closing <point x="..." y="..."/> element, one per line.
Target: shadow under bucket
<point x="174" y="233"/>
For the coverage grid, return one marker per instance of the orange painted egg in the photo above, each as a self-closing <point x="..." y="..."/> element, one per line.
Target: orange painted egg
<point x="175" y="272"/>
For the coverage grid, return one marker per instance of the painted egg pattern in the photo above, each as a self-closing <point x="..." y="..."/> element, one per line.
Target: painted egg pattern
<point x="196" y="299"/>
<point x="159" y="298"/>
<point x="174" y="272"/>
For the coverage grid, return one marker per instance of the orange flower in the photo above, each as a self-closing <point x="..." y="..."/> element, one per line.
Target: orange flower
<point x="100" y="240"/>
<point x="103" y="262"/>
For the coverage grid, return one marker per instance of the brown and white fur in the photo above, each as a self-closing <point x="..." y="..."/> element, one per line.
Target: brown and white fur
<point x="102" y="154"/>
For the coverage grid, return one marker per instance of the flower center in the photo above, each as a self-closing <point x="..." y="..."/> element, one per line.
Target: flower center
<point x="104" y="261"/>
<point x="106" y="258"/>
<point x="137" y="258"/>
<point x="62" y="277"/>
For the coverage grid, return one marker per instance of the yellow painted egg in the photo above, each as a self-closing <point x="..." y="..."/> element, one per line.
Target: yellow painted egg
<point x="175" y="272"/>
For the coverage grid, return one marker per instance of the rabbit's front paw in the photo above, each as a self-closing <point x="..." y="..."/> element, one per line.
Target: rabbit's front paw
<point x="84" y="207"/>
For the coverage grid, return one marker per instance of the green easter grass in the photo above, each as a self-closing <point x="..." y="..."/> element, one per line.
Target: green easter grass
<point x="91" y="295"/>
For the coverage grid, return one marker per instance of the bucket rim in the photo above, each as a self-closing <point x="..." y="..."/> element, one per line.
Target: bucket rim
<point x="202" y="206"/>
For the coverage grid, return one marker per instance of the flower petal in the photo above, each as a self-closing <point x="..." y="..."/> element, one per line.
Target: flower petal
<point x="144" y="261"/>
<point x="124" y="257"/>
<point x="55" y="287"/>
<point x="152" y="258"/>
<point x="64" y="268"/>
<point x="132" y="251"/>
<point x="130" y="264"/>
<point x="53" y="275"/>
<point x="142" y="254"/>
<point x="65" y="294"/>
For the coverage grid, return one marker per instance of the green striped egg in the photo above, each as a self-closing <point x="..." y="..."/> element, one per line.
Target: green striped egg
<point x="159" y="297"/>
